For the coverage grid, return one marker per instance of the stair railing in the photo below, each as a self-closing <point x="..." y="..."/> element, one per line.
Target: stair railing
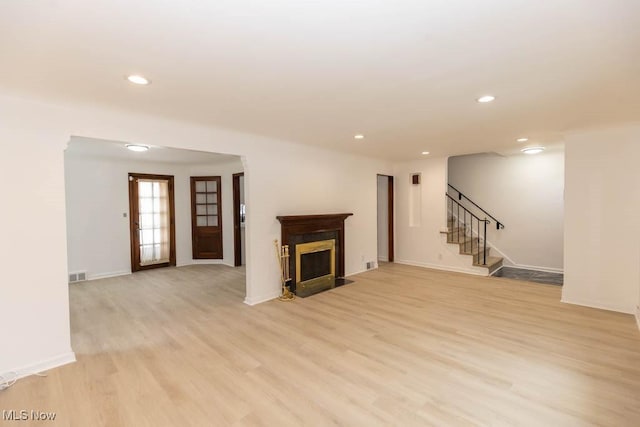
<point x="461" y="196"/>
<point x="453" y="211"/>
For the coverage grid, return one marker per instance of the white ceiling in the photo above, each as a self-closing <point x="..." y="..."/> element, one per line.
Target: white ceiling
<point x="404" y="73"/>
<point x="117" y="150"/>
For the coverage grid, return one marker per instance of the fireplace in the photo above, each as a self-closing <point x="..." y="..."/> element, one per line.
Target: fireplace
<point x="316" y="248"/>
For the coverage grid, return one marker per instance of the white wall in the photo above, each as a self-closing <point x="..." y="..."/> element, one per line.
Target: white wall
<point x="602" y="219"/>
<point x="97" y="196"/>
<point x="422" y="244"/>
<point x="638" y="304"/>
<point x="34" y="319"/>
<point x="525" y="192"/>
<point x="280" y="178"/>
<point x="383" y="218"/>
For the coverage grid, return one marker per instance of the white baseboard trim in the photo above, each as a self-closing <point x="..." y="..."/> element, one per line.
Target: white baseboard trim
<point x="444" y="267"/>
<point x="361" y="271"/>
<point x="259" y="300"/>
<point x="383" y="258"/>
<point x="598" y="305"/>
<point x="493" y="273"/>
<point x="41" y="366"/>
<point x="97" y="276"/>
<point x="536" y="268"/>
<point x="205" y="261"/>
<point x="638" y="316"/>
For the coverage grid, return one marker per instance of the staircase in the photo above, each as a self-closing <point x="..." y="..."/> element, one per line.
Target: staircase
<point x="473" y="247"/>
<point x="468" y="231"/>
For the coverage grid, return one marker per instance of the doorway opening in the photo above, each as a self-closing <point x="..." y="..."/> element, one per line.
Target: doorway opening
<point x="385" y="218"/>
<point x="116" y="211"/>
<point x="239" y="215"/>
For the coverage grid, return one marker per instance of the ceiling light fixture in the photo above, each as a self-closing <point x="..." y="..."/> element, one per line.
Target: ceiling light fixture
<point x="522" y="139"/>
<point x="486" y="98"/>
<point x="137" y="148"/>
<point x="138" y="79"/>
<point x="532" y="150"/>
<point x="425" y="153"/>
<point x="358" y="136"/>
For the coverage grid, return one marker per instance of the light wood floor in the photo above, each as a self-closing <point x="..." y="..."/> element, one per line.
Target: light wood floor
<point x="401" y="346"/>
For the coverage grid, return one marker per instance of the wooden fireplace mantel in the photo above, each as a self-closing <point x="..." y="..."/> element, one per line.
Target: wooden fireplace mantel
<point x="294" y="226"/>
<point x="312" y="220"/>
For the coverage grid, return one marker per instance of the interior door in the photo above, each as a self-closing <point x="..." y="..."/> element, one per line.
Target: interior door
<point x="385" y="218"/>
<point x="238" y="219"/>
<point x="206" y="217"/>
<point x="152" y="224"/>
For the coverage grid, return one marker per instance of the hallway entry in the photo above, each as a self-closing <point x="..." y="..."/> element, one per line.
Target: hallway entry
<point x="385" y="218"/>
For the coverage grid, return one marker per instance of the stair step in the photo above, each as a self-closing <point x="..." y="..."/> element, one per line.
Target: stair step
<point x="476" y="250"/>
<point x="493" y="263"/>
<point x="460" y="231"/>
<point x="465" y="240"/>
<point x="458" y="236"/>
<point x="461" y="224"/>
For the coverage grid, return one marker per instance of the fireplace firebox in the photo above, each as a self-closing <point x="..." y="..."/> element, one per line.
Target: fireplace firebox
<point x="315" y="266"/>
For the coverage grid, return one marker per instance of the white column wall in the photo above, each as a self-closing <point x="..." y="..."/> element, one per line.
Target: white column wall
<point x="602" y="219"/>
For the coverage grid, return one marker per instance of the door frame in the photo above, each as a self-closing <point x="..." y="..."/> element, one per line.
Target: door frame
<point x="134" y="237"/>
<point x="390" y="228"/>
<point x="237" y="237"/>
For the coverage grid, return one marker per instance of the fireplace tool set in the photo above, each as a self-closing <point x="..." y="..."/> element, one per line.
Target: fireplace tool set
<point x="282" y="253"/>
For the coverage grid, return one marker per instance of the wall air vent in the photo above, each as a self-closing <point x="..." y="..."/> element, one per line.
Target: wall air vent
<point x="78" y="276"/>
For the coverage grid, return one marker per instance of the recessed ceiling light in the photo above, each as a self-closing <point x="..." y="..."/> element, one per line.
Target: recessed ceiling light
<point x="359" y="136"/>
<point x="137" y="148"/>
<point x="486" y="98"/>
<point x="139" y="80"/>
<point x="425" y="152"/>
<point x="522" y="139"/>
<point x="532" y="150"/>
